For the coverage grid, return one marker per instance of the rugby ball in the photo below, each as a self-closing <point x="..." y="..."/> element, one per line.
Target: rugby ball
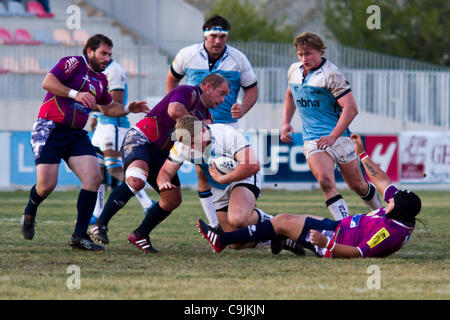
<point x="224" y="163"/>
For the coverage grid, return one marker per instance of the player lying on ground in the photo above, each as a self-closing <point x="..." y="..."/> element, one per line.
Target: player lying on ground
<point x="376" y="234"/>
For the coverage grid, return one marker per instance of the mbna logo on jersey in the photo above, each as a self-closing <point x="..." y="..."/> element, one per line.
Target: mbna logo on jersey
<point x="305" y="103"/>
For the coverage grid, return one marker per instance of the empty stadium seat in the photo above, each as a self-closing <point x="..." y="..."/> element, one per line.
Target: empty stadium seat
<point x="16" y="8"/>
<point x="3" y="11"/>
<point x="37" y="9"/>
<point x="62" y="36"/>
<point x="80" y="37"/>
<point x="22" y="36"/>
<point x="11" y="64"/>
<point x="45" y="37"/>
<point x="130" y="67"/>
<point x="31" y="65"/>
<point x="5" y="37"/>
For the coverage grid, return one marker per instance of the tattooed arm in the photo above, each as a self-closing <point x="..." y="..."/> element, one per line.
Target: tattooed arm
<point x="378" y="176"/>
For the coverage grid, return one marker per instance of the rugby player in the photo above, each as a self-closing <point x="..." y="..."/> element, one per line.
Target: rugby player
<point x="145" y="148"/>
<point x="76" y="86"/>
<point x="324" y="99"/>
<point x="214" y="55"/>
<point x="379" y="233"/>
<point x="108" y="137"/>
<point x="234" y="193"/>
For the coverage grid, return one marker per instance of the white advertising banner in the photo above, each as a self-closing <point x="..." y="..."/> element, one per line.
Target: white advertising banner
<point x="424" y="157"/>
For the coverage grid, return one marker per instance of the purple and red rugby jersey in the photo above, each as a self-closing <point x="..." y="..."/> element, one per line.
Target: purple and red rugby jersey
<point x="158" y="125"/>
<point x="373" y="233"/>
<point x="75" y="73"/>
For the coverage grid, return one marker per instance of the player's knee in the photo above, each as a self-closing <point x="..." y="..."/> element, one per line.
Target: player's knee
<point x="171" y="204"/>
<point x="326" y="183"/>
<point x="281" y="223"/>
<point x="237" y="218"/>
<point x="136" y="177"/>
<point x="44" y="188"/>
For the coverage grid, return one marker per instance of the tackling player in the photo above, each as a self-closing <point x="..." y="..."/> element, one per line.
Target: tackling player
<point x="145" y="148"/>
<point x="379" y="233"/>
<point x="235" y="193"/>
<point x="214" y="55"/>
<point x="326" y="105"/>
<point x="76" y="85"/>
<point x="108" y="136"/>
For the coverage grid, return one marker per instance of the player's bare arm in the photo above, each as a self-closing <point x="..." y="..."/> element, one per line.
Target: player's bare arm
<point x="248" y="165"/>
<point x="171" y="82"/>
<point x="238" y="110"/>
<point x="176" y="110"/>
<point x="349" y="112"/>
<point x="339" y="250"/>
<point x="378" y="176"/>
<point x="165" y="175"/>
<point x="288" y="113"/>
<point x="115" y="109"/>
<point x="53" y="85"/>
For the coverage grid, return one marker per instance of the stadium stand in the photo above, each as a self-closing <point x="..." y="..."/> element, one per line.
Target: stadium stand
<point x="11" y="64"/>
<point x="63" y="36"/>
<point x="3" y="11"/>
<point x="16" y="8"/>
<point x="5" y="36"/>
<point x="37" y="9"/>
<point x="80" y="37"/>
<point x="31" y="65"/>
<point x="45" y="37"/>
<point x="22" y="36"/>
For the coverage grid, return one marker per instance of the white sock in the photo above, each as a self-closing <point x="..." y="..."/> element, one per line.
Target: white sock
<point x="262" y="216"/>
<point x="371" y="199"/>
<point x="144" y="199"/>
<point x="206" y="200"/>
<point x="100" y="201"/>
<point x="337" y="207"/>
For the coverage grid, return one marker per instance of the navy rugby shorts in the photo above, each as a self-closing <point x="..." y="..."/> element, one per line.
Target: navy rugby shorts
<point x="326" y="226"/>
<point x="52" y="142"/>
<point x="136" y="146"/>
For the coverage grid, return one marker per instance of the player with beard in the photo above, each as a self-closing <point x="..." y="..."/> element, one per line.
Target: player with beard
<point x="76" y="86"/>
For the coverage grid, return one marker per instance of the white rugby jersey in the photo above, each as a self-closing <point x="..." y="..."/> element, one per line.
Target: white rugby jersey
<point x="316" y="97"/>
<point x="117" y="80"/>
<point x="233" y="65"/>
<point x="224" y="140"/>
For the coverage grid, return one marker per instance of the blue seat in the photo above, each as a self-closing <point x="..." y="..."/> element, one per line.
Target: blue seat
<point x="44" y="36"/>
<point x="3" y="11"/>
<point x="17" y="9"/>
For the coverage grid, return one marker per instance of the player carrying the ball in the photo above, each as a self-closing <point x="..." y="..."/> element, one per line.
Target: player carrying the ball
<point x="234" y="192"/>
<point x="379" y="233"/>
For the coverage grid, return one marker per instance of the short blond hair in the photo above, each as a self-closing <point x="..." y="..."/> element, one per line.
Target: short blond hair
<point x="310" y="40"/>
<point x="186" y="128"/>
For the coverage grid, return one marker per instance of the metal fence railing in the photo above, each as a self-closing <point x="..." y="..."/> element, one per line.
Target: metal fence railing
<point x="382" y="84"/>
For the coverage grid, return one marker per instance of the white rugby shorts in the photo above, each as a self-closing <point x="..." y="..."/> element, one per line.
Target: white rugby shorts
<point x="342" y="151"/>
<point x="108" y="137"/>
<point x="221" y="197"/>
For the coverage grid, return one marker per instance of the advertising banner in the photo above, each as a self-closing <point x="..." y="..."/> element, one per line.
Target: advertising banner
<point x="424" y="157"/>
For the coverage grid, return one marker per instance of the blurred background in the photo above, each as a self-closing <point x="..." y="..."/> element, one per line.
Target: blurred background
<point x="398" y="68"/>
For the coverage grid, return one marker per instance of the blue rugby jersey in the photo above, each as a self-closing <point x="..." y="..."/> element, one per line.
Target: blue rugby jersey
<point x="316" y="97"/>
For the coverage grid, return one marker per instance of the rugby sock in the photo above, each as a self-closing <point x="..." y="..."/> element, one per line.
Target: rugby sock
<point x="254" y="233"/>
<point x="155" y="215"/>
<point x="371" y="199"/>
<point x="33" y="202"/>
<point x="206" y="200"/>
<point x="117" y="199"/>
<point x="337" y="207"/>
<point x="262" y="216"/>
<point x="85" y="205"/>
<point x="144" y="199"/>
<point x="100" y="201"/>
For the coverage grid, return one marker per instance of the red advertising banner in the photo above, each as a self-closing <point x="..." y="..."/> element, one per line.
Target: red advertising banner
<point x="384" y="152"/>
